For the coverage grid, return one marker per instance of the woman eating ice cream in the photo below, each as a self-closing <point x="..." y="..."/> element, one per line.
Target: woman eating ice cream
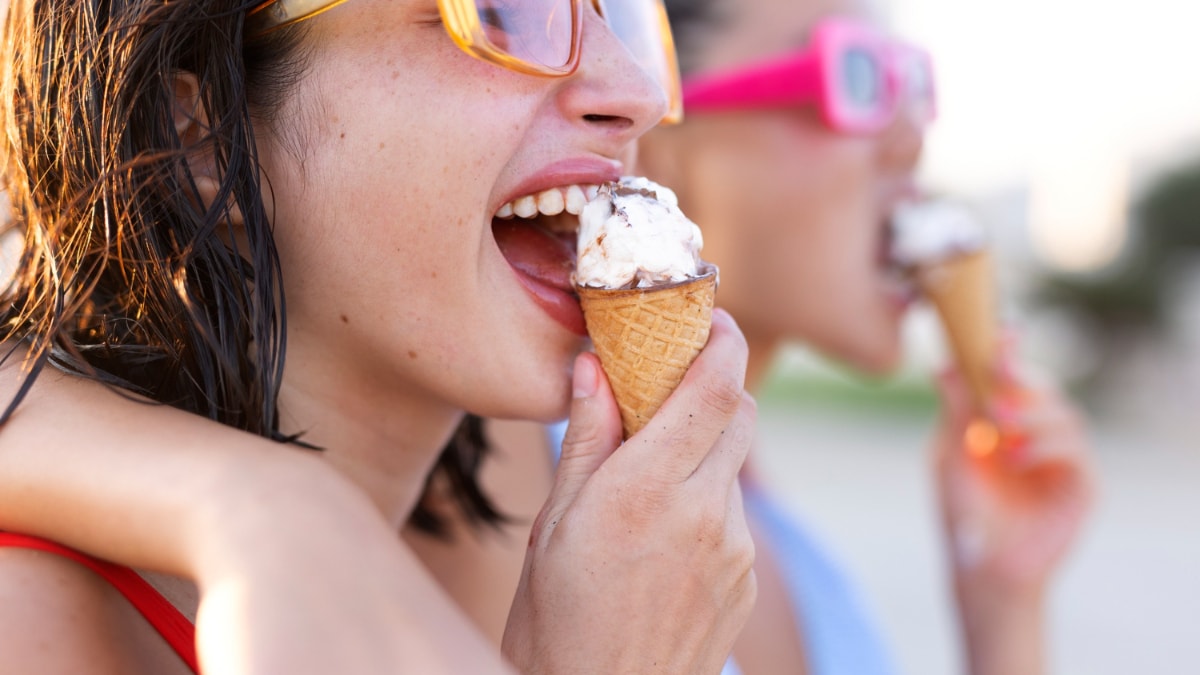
<point x="805" y="124"/>
<point x="284" y="216"/>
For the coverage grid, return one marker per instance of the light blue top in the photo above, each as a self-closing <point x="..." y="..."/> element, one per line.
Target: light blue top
<point x="840" y="638"/>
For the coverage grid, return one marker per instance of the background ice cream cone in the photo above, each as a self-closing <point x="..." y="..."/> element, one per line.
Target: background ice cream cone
<point x="646" y="339"/>
<point x="962" y="289"/>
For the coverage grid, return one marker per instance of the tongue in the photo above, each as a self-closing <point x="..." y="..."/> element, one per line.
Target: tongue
<point x="535" y="252"/>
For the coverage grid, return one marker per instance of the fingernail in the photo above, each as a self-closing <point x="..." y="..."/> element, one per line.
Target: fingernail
<point x="981" y="438"/>
<point x="1005" y="408"/>
<point x="721" y="315"/>
<point x="586" y="378"/>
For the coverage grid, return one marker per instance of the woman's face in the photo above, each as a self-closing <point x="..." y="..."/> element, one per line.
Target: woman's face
<point x="794" y="214"/>
<point x="388" y="164"/>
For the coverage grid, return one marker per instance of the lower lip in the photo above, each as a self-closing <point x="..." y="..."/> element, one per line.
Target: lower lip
<point x="900" y="300"/>
<point x="900" y="294"/>
<point x="559" y="304"/>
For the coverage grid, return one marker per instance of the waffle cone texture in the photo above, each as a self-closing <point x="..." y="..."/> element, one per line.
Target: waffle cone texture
<point x="646" y="340"/>
<point x="962" y="289"/>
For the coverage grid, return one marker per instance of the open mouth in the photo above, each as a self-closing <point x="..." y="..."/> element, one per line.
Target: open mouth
<point x="537" y="236"/>
<point x="899" y="277"/>
<point x="887" y="238"/>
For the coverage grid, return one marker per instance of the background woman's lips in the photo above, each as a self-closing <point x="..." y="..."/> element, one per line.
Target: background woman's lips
<point x="544" y="263"/>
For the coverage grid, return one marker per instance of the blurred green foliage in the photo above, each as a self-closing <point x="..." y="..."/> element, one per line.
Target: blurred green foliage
<point x="840" y="391"/>
<point x="1131" y="296"/>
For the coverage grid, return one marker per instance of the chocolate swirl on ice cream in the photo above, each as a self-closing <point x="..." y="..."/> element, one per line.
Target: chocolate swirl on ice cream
<point x="633" y="235"/>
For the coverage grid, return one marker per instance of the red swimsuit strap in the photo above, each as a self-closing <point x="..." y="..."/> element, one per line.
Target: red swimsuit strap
<point x="168" y="621"/>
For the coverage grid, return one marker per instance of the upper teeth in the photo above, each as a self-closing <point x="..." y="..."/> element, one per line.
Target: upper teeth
<point x="552" y="202"/>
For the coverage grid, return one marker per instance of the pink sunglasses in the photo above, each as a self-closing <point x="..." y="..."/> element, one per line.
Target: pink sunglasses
<point x="858" y="76"/>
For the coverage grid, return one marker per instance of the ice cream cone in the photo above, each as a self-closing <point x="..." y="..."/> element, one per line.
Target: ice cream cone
<point x="646" y="340"/>
<point x="962" y="289"/>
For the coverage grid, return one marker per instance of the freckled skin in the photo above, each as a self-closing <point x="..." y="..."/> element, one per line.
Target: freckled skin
<point x="389" y="213"/>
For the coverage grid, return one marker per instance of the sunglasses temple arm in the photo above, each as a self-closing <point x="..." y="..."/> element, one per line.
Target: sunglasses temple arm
<point x="782" y="82"/>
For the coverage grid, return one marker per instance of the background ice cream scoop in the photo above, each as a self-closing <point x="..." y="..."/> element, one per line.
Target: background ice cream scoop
<point x="633" y="235"/>
<point x="932" y="231"/>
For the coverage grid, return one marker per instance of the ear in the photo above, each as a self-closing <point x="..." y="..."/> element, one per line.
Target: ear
<point x="191" y="125"/>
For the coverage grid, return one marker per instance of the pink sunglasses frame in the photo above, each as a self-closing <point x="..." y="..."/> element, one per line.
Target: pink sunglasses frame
<point x="811" y="75"/>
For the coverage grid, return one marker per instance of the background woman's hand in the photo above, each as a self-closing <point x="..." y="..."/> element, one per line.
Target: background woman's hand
<point x="641" y="560"/>
<point x="1011" y="512"/>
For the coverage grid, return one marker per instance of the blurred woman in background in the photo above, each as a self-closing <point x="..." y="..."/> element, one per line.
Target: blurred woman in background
<point x="805" y="124"/>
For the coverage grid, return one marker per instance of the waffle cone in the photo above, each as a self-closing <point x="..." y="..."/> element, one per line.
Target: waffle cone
<point x="962" y="289"/>
<point x="646" y="340"/>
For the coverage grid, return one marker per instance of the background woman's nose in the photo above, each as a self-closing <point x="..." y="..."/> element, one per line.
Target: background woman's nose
<point x="902" y="141"/>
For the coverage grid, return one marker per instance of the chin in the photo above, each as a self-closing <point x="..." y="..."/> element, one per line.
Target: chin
<point x="547" y="411"/>
<point x="534" y="401"/>
<point x="878" y="365"/>
<point x="877" y="357"/>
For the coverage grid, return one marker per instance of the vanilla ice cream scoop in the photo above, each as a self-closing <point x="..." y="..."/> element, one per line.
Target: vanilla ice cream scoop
<point x="633" y="235"/>
<point x="930" y="232"/>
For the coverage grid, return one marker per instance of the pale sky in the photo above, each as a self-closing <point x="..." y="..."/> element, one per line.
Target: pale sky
<point x="1061" y="96"/>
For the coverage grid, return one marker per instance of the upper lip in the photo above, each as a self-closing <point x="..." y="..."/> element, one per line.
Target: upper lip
<point x="590" y="171"/>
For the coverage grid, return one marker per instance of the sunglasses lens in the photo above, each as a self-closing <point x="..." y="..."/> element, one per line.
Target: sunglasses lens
<point x="642" y="27"/>
<point x="536" y="31"/>
<point x="917" y="76"/>
<point x="635" y="24"/>
<point x="863" y="79"/>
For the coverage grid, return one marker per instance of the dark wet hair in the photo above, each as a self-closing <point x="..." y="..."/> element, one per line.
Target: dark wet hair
<point x="692" y="23"/>
<point x="126" y="276"/>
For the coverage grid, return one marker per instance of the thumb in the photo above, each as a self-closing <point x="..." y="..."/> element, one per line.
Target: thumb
<point x="593" y="432"/>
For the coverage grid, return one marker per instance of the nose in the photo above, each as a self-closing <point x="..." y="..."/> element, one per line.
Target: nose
<point x="611" y="91"/>
<point x="903" y="141"/>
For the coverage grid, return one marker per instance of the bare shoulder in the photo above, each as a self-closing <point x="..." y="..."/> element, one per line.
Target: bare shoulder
<point x="58" y="617"/>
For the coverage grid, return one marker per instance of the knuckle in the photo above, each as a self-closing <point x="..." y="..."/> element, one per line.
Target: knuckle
<point x="746" y="422"/>
<point x="580" y="437"/>
<point x="749" y="594"/>
<point x="749" y="406"/>
<point x="722" y="393"/>
<point x="745" y="554"/>
<point x="742" y="552"/>
<point x="710" y="526"/>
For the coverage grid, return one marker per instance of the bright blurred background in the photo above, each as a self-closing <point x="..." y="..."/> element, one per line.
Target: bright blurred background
<point x="1072" y="128"/>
